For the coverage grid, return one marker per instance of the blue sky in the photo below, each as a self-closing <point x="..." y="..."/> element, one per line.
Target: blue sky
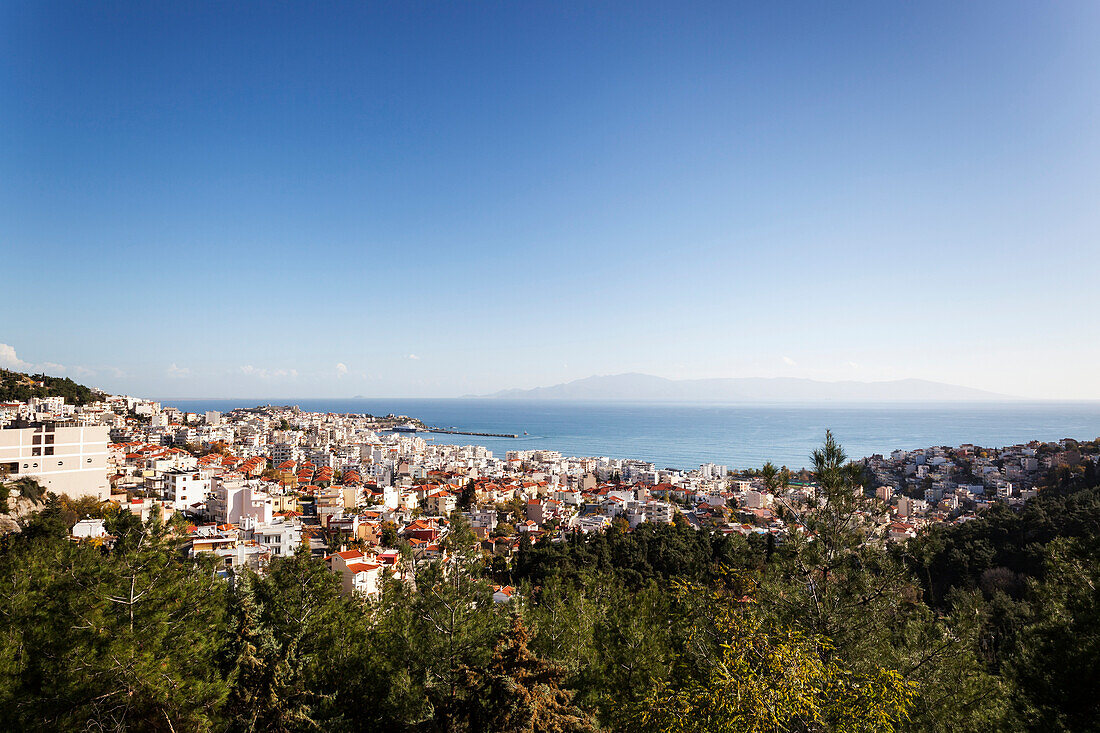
<point x="433" y="199"/>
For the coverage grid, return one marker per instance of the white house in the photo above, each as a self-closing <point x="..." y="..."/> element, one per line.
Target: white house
<point x="357" y="573"/>
<point x="87" y="528"/>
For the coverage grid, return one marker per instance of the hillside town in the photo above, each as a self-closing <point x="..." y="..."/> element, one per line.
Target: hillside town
<point x="263" y="482"/>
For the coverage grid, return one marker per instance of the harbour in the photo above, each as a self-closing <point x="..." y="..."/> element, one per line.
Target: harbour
<point x="466" y="432"/>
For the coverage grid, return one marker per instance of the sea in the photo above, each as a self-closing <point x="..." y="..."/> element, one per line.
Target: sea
<point x="684" y="436"/>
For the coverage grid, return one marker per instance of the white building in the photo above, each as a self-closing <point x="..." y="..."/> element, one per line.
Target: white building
<point x="659" y="512"/>
<point x="65" y="459"/>
<point x="712" y="471"/>
<point x="282" y="452"/>
<point x="756" y="499"/>
<point x="184" y="489"/>
<point x="232" y="499"/>
<point x="87" y="528"/>
<point x="357" y="573"/>
<point x="280" y="536"/>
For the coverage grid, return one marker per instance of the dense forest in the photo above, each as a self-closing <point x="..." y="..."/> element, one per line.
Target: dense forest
<point x="19" y="387"/>
<point x="993" y="624"/>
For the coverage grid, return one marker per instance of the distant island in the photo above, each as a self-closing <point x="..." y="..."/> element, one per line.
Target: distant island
<point x="648" y="388"/>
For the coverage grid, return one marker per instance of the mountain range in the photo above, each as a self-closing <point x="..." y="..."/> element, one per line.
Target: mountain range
<point x="647" y="388"/>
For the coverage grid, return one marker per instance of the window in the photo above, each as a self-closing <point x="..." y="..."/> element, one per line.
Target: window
<point x="49" y="450"/>
<point x="49" y="438"/>
<point x="37" y="440"/>
<point x="36" y="451"/>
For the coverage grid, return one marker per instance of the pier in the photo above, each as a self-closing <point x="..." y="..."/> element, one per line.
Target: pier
<point x="467" y="432"/>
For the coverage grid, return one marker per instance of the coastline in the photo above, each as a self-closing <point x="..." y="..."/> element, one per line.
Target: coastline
<point x="741" y="436"/>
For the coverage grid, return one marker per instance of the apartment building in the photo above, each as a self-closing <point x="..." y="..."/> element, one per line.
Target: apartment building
<point x="231" y="498"/>
<point x="185" y="488"/>
<point x="280" y="536"/>
<point x="64" y="457"/>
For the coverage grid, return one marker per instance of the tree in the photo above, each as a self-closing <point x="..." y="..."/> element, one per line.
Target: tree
<point x="249" y="649"/>
<point x="835" y="583"/>
<point x="389" y="536"/>
<point x="468" y="495"/>
<point x="1053" y="672"/>
<point x="29" y="488"/>
<point x="294" y="633"/>
<point x="756" y="678"/>
<point x="127" y="639"/>
<point x="633" y="651"/>
<point x="455" y="624"/>
<point x="770" y="475"/>
<point x="519" y="692"/>
<point x="516" y="510"/>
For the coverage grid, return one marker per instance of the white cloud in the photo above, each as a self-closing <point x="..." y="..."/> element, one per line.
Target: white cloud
<point x="177" y="371"/>
<point x="81" y="371"/>
<point x="789" y="361"/>
<point x="414" y="357"/>
<point x="341" y="369"/>
<point x="268" y="373"/>
<point x="10" y="360"/>
<point x="852" y="365"/>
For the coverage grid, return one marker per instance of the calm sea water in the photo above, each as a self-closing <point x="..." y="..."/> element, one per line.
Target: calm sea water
<point x="741" y="436"/>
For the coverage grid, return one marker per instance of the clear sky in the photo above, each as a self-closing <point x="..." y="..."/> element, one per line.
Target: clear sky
<point x="431" y="199"/>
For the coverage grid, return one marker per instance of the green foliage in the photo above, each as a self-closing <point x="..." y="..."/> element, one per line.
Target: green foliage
<point x="389" y="536"/>
<point x="742" y="675"/>
<point x="650" y="552"/>
<point x="16" y="386"/>
<point x="1057" y="652"/>
<point x="108" y="638"/>
<point x="293" y="636"/>
<point x="27" y="487"/>
<point x="519" y="692"/>
<point x="467" y="495"/>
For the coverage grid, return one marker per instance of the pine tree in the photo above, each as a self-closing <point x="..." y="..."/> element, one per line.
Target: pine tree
<point x="519" y="692"/>
<point x="248" y="656"/>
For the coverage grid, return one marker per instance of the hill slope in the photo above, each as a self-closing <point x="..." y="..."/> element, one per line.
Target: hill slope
<point x="21" y="387"/>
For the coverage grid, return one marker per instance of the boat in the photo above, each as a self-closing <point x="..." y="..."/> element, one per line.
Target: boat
<point x="406" y="428"/>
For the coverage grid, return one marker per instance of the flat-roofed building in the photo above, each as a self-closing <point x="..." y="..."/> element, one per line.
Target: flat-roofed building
<point x="232" y="497"/>
<point x="184" y="489"/>
<point x="65" y="458"/>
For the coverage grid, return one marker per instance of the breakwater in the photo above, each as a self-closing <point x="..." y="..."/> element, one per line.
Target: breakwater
<point x="467" y="432"/>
